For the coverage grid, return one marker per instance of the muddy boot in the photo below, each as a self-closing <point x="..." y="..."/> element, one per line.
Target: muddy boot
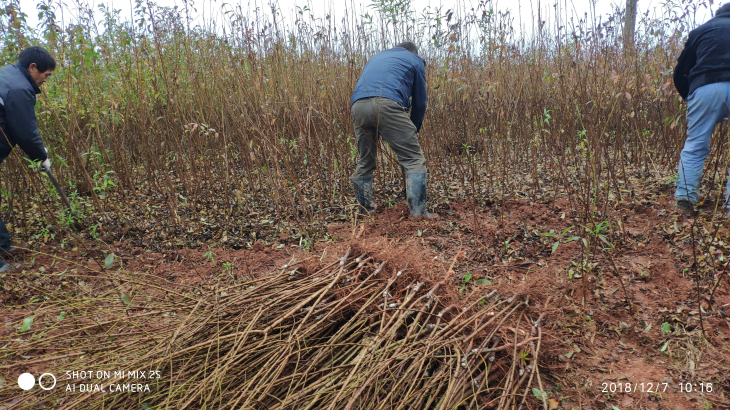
<point x="416" y="194"/>
<point x="364" y="194"/>
<point x="685" y="206"/>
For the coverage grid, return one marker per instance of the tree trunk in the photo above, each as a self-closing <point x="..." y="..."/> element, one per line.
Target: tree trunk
<point x="629" y="24"/>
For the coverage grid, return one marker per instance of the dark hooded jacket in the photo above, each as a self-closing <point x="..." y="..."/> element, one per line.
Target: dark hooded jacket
<point x="706" y="56"/>
<point x="17" y="113"/>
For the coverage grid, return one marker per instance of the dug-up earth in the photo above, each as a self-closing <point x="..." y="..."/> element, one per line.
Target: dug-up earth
<point x="624" y="309"/>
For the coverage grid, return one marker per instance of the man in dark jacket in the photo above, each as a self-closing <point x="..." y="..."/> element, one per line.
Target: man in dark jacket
<point x="702" y="77"/>
<point x="19" y="85"/>
<point x="379" y="106"/>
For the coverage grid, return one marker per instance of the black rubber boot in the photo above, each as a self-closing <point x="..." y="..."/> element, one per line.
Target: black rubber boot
<point x="364" y="194"/>
<point x="416" y="194"/>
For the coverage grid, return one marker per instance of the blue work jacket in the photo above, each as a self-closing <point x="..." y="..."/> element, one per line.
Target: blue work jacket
<point x="396" y="74"/>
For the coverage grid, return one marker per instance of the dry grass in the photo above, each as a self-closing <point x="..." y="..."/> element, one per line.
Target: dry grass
<point x="245" y="112"/>
<point x="346" y="334"/>
<point x="225" y="130"/>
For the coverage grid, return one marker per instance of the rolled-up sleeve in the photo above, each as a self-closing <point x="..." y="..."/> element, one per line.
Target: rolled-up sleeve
<point x="21" y="122"/>
<point x="420" y="98"/>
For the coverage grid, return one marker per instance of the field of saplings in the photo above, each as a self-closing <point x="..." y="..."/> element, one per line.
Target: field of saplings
<point x="213" y="256"/>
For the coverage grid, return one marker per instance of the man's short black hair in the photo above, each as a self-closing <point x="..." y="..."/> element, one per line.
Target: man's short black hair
<point x="725" y="8"/>
<point x="40" y="56"/>
<point x="408" y="45"/>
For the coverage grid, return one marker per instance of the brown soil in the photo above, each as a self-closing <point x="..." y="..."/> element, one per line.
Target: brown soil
<point x="602" y="340"/>
<point x="608" y="337"/>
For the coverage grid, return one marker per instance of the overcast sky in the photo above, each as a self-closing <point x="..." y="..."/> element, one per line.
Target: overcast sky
<point x="524" y="8"/>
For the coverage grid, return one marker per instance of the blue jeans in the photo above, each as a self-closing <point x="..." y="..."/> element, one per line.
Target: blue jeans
<point x="706" y="106"/>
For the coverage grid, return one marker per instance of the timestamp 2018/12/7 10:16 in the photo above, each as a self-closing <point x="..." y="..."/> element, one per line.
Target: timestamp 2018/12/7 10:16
<point x="627" y="387"/>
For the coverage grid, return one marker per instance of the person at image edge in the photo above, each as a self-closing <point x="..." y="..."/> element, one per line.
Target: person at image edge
<point x="702" y="77"/>
<point x="19" y="85"/>
<point x="390" y="82"/>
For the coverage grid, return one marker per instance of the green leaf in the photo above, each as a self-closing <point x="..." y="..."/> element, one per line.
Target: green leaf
<point x="126" y="300"/>
<point x="484" y="282"/>
<point x="572" y="238"/>
<point x="146" y="406"/>
<point x="27" y="322"/>
<point x="666" y="328"/>
<point x="665" y="346"/>
<point x="603" y="238"/>
<point x="467" y="277"/>
<point x="614" y="408"/>
<point x="555" y="247"/>
<point x="538" y="393"/>
<point x="61" y="316"/>
<point x="419" y="233"/>
<point x="569" y="355"/>
<point x="109" y="261"/>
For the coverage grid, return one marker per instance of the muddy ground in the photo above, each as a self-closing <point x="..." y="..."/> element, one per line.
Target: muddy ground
<point x="624" y="295"/>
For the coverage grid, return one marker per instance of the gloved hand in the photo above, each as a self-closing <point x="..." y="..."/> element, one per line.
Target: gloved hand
<point x="46" y="165"/>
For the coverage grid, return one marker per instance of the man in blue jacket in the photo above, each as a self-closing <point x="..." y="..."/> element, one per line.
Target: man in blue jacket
<point x="380" y="103"/>
<point x="19" y="85"/>
<point x="702" y="77"/>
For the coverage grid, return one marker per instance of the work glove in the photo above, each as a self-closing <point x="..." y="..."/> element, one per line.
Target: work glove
<point x="46" y="165"/>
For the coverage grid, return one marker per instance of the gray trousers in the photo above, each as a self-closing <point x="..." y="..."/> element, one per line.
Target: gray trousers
<point x="377" y="115"/>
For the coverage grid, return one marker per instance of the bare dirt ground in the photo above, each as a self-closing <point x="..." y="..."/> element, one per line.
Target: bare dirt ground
<point x="605" y="339"/>
<point x="624" y="307"/>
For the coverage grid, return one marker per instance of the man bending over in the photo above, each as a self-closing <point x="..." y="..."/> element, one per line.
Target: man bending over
<point x="702" y="77"/>
<point x="379" y="106"/>
<point x="19" y="84"/>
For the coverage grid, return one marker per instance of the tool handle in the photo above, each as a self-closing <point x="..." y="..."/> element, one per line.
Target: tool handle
<point x="55" y="183"/>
